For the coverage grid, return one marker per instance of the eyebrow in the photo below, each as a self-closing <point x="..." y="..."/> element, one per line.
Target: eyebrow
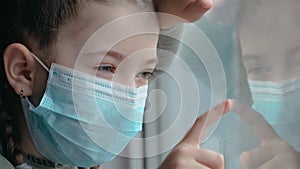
<point x="151" y="61"/>
<point x="115" y="54"/>
<point x="119" y="56"/>
<point x="250" y="57"/>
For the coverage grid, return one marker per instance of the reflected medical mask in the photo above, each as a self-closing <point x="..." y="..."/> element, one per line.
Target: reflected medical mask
<point x="279" y="103"/>
<point x="82" y="120"/>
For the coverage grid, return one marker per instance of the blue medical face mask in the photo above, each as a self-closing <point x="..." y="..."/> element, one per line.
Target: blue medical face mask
<point x="279" y="103"/>
<point x="83" y="120"/>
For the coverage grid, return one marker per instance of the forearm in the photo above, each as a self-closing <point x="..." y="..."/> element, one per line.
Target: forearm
<point x="173" y="12"/>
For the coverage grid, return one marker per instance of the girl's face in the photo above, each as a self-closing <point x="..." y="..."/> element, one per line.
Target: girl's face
<point x="123" y="49"/>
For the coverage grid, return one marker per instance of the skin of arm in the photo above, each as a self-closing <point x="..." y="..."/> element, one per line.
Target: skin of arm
<point x="174" y="12"/>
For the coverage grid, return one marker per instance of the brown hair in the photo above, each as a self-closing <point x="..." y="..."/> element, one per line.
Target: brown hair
<point x="20" y="21"/>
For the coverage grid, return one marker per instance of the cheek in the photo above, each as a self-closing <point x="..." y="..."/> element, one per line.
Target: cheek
<point x="140" y="82"/>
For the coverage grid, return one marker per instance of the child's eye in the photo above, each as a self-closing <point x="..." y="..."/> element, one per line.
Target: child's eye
<point x="147" y="74"/>
<point x="106" y="68"/>
<point x="106" y="71"/>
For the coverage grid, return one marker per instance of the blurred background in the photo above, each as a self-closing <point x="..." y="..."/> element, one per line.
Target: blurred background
<point x="243" y="49"/>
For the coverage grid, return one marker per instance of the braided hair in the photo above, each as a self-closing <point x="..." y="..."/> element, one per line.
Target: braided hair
<point x="21" y="20"/>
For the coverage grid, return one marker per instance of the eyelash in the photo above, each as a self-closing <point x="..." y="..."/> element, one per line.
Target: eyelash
<point x="146" y="74"/>
<point x="107" y="68"/>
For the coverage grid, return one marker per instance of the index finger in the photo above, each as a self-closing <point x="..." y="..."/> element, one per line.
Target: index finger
<point x="261" y="128"/>
<point x="202" y="124"/>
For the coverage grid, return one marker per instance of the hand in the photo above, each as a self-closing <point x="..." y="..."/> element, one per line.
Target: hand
<point x="186" y="10"/>
<point x="188" y="154"/>
<point x="274" y="152"/>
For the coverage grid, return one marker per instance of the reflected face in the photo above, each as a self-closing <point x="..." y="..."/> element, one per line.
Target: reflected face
<point x="270" y="39"/>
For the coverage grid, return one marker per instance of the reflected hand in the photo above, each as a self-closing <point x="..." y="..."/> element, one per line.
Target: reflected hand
<point x="187" y="10"/>
<point x="274" y="152"/>
<point x="188" y="154"/>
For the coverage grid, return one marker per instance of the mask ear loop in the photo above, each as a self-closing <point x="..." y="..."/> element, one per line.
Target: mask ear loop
<point x="40" y="62"/>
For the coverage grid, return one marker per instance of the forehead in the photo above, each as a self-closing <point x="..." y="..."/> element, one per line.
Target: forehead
<point x="265" y="31"/>
<point x="106" y="24"/>
<point x="117" y="23"/>
<point x="96" y="15"/>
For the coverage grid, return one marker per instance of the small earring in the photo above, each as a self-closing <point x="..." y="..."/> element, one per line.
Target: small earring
<point x="22" y="92"/>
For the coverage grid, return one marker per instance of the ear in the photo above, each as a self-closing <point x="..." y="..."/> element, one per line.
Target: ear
<point x="19" y="68"/>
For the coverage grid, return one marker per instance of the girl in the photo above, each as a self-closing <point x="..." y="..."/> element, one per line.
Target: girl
<point x="44" y="67"/>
